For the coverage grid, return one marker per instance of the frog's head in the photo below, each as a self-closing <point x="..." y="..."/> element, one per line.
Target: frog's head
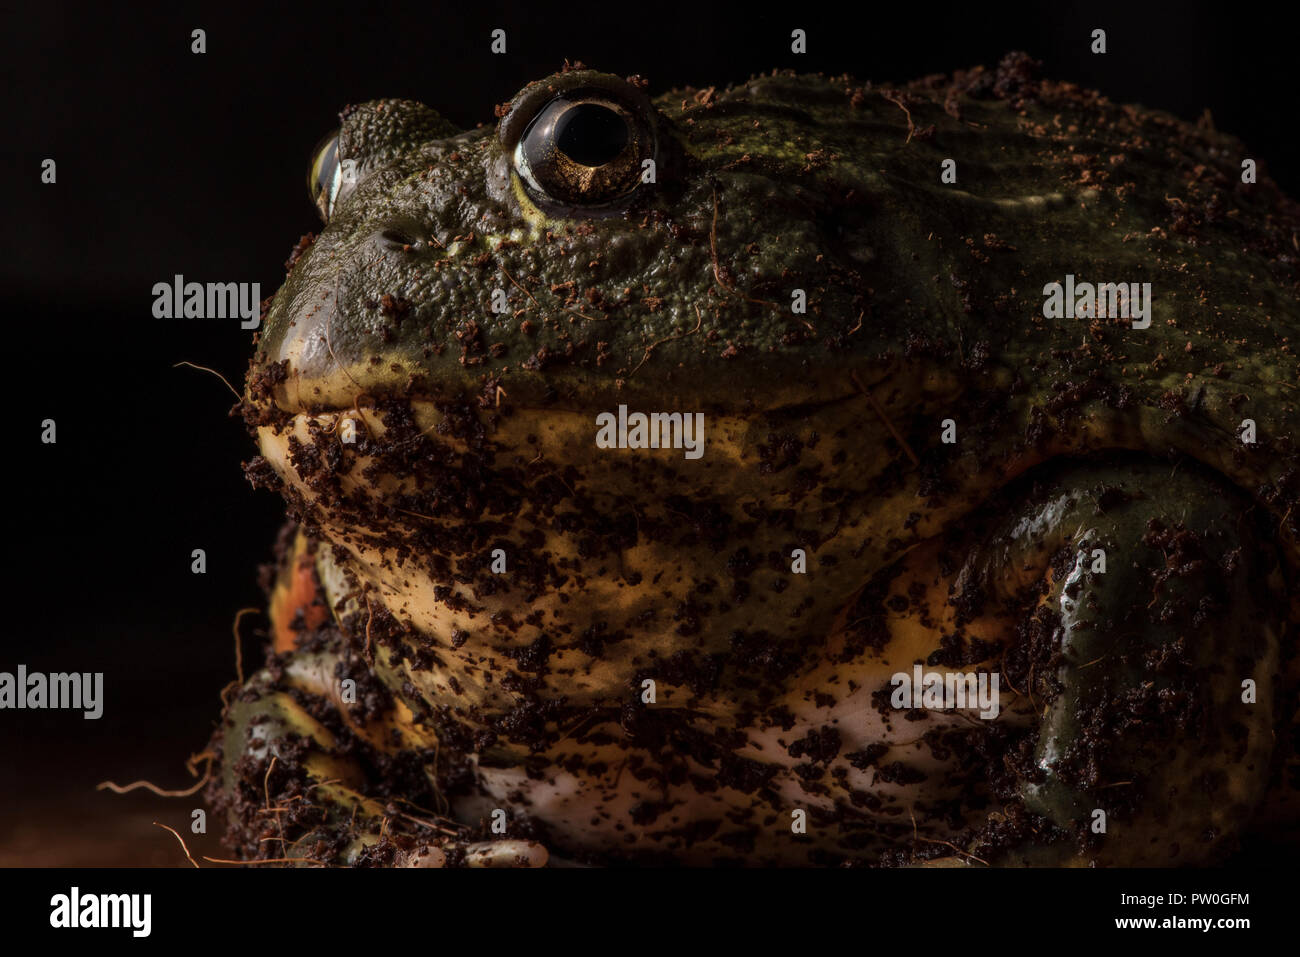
<point x="477" y="300"/>
<point x="594" y="247"/>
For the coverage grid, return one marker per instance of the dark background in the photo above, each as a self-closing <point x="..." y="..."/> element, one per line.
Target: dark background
<point x="174" y="163"/>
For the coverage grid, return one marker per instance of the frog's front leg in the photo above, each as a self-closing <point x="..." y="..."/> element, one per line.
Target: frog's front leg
<point x="1152" y="652"/>
<point x="321" y="764"/>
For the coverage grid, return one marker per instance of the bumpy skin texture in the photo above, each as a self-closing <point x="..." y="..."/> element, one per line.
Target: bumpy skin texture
<point x="522" y="691"/>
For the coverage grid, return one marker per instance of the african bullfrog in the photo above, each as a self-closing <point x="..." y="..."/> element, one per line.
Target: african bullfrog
<point x="650" y="462"/>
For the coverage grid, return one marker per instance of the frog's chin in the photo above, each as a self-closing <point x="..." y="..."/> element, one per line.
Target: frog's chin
<point x="616" y="567"/>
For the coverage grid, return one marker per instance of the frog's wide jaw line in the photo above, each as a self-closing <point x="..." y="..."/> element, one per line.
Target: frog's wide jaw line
<point x="310" y="378"/>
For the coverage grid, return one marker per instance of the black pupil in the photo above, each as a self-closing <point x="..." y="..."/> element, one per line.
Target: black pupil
<point x="590" y="134"/>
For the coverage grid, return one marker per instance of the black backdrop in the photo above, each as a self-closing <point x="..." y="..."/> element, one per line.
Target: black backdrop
<point x="174" y="163"/>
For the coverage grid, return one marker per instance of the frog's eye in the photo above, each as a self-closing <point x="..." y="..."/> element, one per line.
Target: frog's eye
<point x="584" y="147"/>
<point x="326" y="175"/>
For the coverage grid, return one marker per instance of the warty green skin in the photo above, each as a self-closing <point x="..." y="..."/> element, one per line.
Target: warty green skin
<point x="926" y="295"/>
<point x="805" y="185"/>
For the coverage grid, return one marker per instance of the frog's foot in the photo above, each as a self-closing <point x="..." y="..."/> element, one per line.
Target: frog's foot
<point x="309" y="779"/>
<point x="1151" y="656"/>
<point x="320" y="764"/>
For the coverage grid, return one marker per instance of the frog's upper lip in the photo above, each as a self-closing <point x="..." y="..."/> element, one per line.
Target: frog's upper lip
<point x="312" y="378"/>
<point x="575" y="389"/>
<point x="318" y="355"/>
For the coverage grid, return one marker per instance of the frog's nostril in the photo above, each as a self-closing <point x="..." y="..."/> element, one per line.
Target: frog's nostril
<point x="397" y="239"/>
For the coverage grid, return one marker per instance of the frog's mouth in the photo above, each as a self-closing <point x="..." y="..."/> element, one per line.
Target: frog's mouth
<point x="326" y="358"/>
<point x="350" y="390"/>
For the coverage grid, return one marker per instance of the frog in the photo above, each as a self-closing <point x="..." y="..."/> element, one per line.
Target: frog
<point x="497" y="640"/>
